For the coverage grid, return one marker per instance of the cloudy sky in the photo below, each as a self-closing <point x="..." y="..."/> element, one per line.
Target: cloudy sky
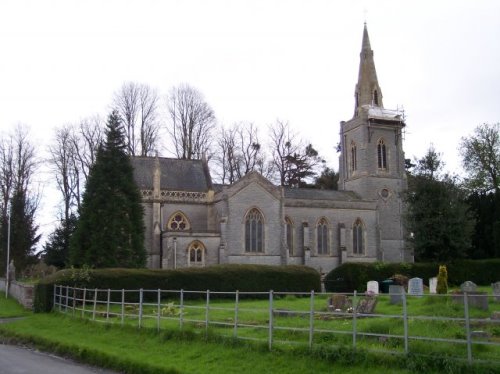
<point x="256" y="60"/>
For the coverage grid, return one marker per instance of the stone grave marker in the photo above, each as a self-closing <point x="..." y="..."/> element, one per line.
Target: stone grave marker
<point x="433" y="282"/>
<point x="366" y="305"/>
<point x="496" y="290"/>
<point x="468" y="286"/>
<point x="338" y="302"/>
<point x="396" y="293"/>
<point x="416" y="287"/>
<point x="372" y="287"/>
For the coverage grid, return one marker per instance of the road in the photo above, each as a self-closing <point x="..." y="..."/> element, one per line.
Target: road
<point x="20" y="360"/>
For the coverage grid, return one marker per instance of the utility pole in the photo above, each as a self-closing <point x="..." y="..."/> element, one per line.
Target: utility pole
<point x="8" y="257"/>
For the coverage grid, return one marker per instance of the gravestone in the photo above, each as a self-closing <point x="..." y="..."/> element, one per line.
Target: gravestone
<point x="496" y="290"/>
<point x="475" y="299"/>
<point x="338" y="302"/>
<point x="366" y="305"/>
<point x="372" y="287"/>
<point x="468" y="286"/>
<point x="396" y="293"/>
<point x="433" y="282"/>
<point x="416" y="287"/>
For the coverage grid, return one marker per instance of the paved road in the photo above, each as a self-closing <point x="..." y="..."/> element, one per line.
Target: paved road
<point x="19" y="360"/>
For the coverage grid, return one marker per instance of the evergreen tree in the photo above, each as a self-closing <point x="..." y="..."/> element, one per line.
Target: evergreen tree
<point x="56" y="249"/>
<point x="110" y="231"/>
<point x="437" y="217"/>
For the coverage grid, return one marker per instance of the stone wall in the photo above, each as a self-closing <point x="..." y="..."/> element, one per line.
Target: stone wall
<point x="23" y="293"/>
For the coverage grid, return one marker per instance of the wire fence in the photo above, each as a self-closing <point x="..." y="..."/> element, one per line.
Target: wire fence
<point x="405" y="326"/>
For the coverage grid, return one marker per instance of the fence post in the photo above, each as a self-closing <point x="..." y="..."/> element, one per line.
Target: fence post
<point x="123" y="306"/>
<point x="311" y="320"/>
<point x="95" y="304"/>
<point x="60" y="298"/>
<point x="107" y="305"/>
<point x="354" y="317"/>
<point x="140" y="307"/>
<point x="84" y="300"/>
<point x="67" y="297"/>
<point x="405" y="322"/>
<point x="74" y="299"/>
<point x="467" y="328"/>
<point x="54" y="298"/>
<point x="237" y="297"/>
<point x="181" y="309"/>
<point x="158" y="311"/>
<point x="270" y="338"/>
<point x="207" y="306"/>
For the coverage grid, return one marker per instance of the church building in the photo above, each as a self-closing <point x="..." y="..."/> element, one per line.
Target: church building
<point x="189" y="221"/>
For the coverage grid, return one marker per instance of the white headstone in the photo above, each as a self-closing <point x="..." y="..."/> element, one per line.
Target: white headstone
<point x="416" y="287"/>
<point x="468" y="286"/>
<point x="433" y="282"/>
<point x="496" y="290"/>
<point x="372" y="287"/>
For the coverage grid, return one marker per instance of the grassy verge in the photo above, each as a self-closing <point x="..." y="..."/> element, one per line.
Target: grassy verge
<point x="11" y="308"/>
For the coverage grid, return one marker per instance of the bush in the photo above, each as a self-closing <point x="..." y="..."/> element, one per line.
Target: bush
<point x="442" y="281"/>
<point x="354" y="276"/>
<point x="219" y="278"/>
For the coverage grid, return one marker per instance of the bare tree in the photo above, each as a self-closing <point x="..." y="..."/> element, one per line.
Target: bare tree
<point x="64" y="162"/>
<point x="250" y="148"/>
<point x="137" y="105"/>
<point x="192" y="122"/>
<point x="226" y="156"/>
<point x="294" y="161"/>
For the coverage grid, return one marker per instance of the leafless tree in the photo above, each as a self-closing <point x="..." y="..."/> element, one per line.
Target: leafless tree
<point x="192" y="122"/>
<point x="137" y="105"/>
<point x="64" y="162"/>
<point x="226" y="155"/>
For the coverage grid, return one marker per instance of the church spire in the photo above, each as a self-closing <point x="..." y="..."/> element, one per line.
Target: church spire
<point x="368" y="91"/>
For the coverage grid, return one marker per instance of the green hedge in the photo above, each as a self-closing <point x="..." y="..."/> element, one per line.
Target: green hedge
<point x="354" y="276"/>
<point x="229" y="278"/>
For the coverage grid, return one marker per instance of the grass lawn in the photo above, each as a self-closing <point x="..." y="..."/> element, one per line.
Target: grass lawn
<point x="11" y="308"/>
<point x="145" y="351"/>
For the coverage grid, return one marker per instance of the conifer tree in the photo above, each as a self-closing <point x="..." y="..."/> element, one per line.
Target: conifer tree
<point x="110" y="231"/>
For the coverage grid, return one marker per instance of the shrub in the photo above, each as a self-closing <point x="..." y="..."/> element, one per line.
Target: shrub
<point x="220" y="278"/>
<point x="354" y="276"/>
<point x="442" y="280"/>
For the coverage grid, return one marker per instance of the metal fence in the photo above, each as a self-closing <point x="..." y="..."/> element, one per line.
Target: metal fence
<point x="292" y="318"/>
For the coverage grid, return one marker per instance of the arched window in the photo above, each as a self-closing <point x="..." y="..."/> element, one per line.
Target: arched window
<point x="322" y="237"/>
<point x="381" y="154"/>
<point x="196" y="254"/>
<point x="178" y="222"/>
<point x="289" y="234"/>
<point x="354" y="159"/>
<point x="358" y="243"/>
<point x="254" y="231"/>
<point x="375" y="97"/>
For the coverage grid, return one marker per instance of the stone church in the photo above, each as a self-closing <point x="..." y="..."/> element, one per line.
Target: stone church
<point x="190" y="221"/>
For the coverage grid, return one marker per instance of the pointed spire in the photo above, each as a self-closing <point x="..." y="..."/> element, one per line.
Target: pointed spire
<point x="367" y="91"/>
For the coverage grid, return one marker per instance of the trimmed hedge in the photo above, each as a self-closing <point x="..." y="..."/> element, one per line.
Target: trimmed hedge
<point x="229" y="278"/>
<point x="354" y="276"/>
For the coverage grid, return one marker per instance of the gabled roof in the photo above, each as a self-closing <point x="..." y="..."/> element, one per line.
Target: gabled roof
<point x="176" y="174"/>
<point x="251" y="177"/>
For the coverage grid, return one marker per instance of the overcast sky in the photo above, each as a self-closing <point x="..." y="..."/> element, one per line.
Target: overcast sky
<point x="61" y="61"/>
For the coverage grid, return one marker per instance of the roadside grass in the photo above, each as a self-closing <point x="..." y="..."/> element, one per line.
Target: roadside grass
<point x="145" y="351"/>
<point x="11" y="308"/>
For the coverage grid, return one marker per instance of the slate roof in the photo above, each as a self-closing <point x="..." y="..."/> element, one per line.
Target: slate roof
<point x="314" y="194"/>
<point x="176" y="175"/>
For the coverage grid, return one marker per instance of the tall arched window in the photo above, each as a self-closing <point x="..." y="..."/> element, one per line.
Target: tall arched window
<point x="381" y="154"/>
<point x="322" y="237"/>
<point x="178" y="222"/>
<point x="254" y="231"/>
<point x="358" y="243"/>
<point x="289" y="234"/>
<point x="375" y="97"/>
<point x="354" y="159"/>
<point x="196" y="254"/>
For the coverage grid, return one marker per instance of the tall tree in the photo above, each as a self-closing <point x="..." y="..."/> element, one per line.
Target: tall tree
<point x="327" y="180"/>
<point x="295" y="163"/>
<point x="437" y="217"/>
<point x="110" y="231"/>
<point x="192" y="122"/>
<point x="18" y="164"/>
<point x="481" y="158"/>
<point x="137" y="105"/>
<point x="56" y="249"/>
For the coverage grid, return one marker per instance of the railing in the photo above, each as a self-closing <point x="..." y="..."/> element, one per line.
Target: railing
<point x="262" y="316"/>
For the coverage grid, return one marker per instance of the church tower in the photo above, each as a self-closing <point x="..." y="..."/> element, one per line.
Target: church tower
<point x="372" y="157"/>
